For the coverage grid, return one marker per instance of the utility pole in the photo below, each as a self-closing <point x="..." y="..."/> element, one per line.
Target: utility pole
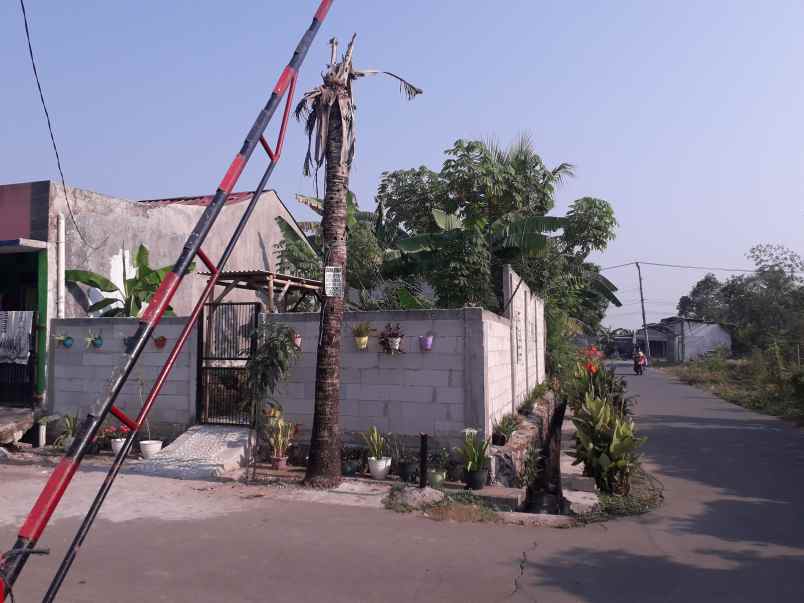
<point x="644" y="321"/>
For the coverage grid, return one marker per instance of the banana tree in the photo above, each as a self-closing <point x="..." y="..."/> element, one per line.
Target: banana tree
<point x="136" y="291"/>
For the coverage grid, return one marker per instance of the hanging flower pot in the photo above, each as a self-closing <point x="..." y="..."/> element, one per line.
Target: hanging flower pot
<point x="391" y="339"/>
<point x="297" y="340"/>
<point x="426" y="342"/>
<point x="160" y="342"/>
<point x="361" y="332"/>
<point x="66" y="341"/>
<point x="97" y="342"/>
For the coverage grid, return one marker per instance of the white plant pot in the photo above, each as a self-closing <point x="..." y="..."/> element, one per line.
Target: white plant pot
<point x="42" y="435"/>
<point x="379" y="468"/>
<point x="117" y="444"/>
<point x="149" y="448"/>
<point x="394" y="343"/>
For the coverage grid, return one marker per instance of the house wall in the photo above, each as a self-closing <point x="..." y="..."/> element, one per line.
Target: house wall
<point x="79" y="375"/>
<point x="701" y="338"/>
<point x="115" y="226"/>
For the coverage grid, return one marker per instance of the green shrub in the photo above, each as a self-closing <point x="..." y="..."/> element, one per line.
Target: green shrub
<point x="506" y="426"/>
<point x="606" y="444"/>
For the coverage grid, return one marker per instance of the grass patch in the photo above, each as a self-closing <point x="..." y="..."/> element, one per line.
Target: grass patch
<point x="462" y="507"/>
<point x="646" y="495"/>
<point x="745" y="382"/>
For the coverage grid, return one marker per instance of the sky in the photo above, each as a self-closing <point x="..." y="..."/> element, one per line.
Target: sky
<point x="687" y="117"/>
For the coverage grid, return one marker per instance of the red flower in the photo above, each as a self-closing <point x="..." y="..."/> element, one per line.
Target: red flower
<point x="591" y="368"/>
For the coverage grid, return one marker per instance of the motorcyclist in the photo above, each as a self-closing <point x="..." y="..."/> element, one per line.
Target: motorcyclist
<point x="640" y="361"/>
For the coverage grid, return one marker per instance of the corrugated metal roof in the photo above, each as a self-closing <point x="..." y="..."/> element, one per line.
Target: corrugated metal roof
<point x="203" y="200"/>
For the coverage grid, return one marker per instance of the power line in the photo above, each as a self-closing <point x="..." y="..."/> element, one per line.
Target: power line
<point x="49" y="124"/>
<point x="744" y="270"/>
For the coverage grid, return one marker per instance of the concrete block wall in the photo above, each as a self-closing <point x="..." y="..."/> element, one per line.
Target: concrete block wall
<point x="436" y="392"/>
<point x="78" y="376"/>
<point x="499" y="395"/>
<point x="525" y="311"/>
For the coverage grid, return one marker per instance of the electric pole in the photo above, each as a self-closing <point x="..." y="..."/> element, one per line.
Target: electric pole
<point x="644" y="321"/>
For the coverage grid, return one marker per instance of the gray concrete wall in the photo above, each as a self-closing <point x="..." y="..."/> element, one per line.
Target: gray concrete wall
<point x="79" y="375"/>
<point x="114" y="226"/>
<point x="525" y="311"/>
<point x="465" y="381"/>
<point x="438" y="392"/>
<point x="500" y="397"/>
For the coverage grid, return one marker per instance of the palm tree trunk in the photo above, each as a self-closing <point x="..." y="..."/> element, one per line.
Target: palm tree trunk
<point x="324" y="464"/>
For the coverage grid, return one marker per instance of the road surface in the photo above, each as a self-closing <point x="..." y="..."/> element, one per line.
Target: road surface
<point x="731" y="529"/>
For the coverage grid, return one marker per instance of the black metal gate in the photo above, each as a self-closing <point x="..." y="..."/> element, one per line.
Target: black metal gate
<point x="18" y="381"/>
<point x="227" y="342"/>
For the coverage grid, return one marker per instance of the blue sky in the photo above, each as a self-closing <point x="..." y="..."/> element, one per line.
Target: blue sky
<point x="688" y="117"/>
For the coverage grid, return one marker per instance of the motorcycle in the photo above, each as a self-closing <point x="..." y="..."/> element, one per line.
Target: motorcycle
<point x="638" y="367"/>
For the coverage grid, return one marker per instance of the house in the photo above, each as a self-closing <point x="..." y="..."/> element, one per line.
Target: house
<point x="680" y="339"/>
<point x="41" y="236"/>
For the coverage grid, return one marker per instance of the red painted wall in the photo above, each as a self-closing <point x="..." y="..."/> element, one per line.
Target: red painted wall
<point x="15" y="211"/>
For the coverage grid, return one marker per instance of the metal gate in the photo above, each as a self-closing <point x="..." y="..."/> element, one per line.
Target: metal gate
<point x="17" y="381"/>
<point x="227" y="342"/>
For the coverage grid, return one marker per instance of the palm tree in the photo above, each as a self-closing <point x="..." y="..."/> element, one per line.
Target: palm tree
<point x="328" y="112"/>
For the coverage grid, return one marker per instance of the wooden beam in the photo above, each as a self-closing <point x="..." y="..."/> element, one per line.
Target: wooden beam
<point x="226" y="291"/>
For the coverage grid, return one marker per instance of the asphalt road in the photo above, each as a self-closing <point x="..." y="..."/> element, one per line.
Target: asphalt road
<point x="731" y="529"/>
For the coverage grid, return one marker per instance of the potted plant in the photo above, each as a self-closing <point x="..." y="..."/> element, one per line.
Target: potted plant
<point x="379" y="464"/>
<point x="149" y="448"/>
<point x="407" y="465"/>
<point x="65" y="440"/>
<point x="297" y="340"/>
<point x="437" y="468"/>
<point x="159" y="342"/>
<point x="42" y="422"/>
<point x="475" y="461"/>
<point x="503" y="429"/>
<point x="403" y="461"/>
<point x="116" y="436"/>
<point x="391" y="339"/>
<point x="361" y="332"/>
<point x="280" y="435"/>
<point x="93" y="340"/>
<point x="426" y="342"/>
<point x="65" y="340"/>
<point x="351" y="460"/>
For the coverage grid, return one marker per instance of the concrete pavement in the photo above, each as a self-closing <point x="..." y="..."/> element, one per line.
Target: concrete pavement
<point x="731" y="529"/>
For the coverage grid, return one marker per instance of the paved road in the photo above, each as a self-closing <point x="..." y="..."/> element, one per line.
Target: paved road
<point x="731" y="530"/>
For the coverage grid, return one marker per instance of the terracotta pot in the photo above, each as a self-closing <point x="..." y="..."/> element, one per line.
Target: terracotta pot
<point x="160" y="342"/>
<point x="279" y="463"/>
<point x="361" y="342"/>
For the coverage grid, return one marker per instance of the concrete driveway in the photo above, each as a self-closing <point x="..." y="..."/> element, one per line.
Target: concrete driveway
<point x="731" y="530"/>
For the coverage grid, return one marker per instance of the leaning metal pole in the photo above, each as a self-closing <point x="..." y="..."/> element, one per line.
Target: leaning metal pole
<point x="12" y="562"/>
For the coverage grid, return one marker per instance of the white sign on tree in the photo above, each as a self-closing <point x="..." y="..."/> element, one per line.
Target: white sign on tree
<point x="333" y="281"/>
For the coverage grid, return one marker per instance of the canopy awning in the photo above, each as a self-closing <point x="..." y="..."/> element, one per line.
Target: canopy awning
<point x="275" y="285"/>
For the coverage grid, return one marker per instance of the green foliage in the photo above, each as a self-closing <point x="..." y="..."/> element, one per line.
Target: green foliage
<point x="280" y="435"/>
<point x="474" y="451"/>
<point x="759" y="308"/>
<point x="375" y="442"/>
<point x="486" y="208"/>
<point x="506" y="426"/>
<point x="137" y="290"/>
<point x="69" y="431"/>
<point x="272" y="359"/>
<point x="527" y="405"/>
<point x="361" y="329"/>
<point x="606" y="444"/>
<point x="295" y="255"/>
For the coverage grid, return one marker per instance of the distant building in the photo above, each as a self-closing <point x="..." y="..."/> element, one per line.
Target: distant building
<point x="681" y="339"/>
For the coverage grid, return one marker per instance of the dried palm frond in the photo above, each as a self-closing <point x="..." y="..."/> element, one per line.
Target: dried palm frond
<point x="316" y="106"/>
